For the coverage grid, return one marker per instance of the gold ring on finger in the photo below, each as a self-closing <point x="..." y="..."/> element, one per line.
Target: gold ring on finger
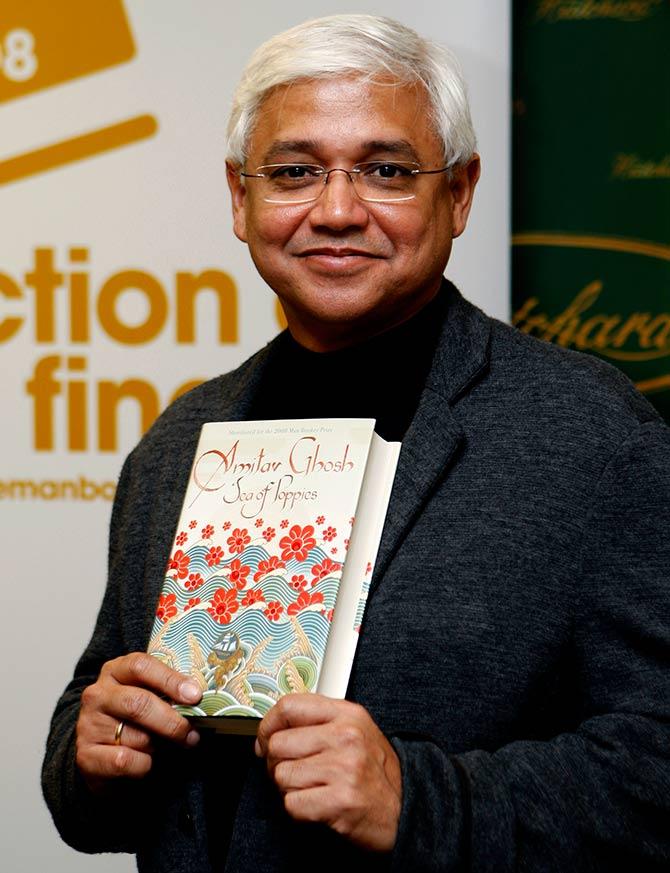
<point x="117" y="733"/>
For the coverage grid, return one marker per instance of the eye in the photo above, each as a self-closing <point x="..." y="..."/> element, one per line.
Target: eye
<point x="295" y="171"/>
<point x="385" y="170"/>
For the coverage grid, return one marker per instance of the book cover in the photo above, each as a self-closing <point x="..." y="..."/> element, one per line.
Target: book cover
<point x="263" y="541"/>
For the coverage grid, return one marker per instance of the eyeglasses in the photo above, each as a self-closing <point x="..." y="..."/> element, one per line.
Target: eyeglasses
<point x="373" y="181"/>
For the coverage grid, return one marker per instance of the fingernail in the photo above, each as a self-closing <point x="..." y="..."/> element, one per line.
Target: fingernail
<point x="257" y="749"/>
<point x="192" y="738"/>
<point x="190" y="690"/>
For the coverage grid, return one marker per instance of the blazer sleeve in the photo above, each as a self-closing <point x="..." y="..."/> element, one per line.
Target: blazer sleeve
<point x="597" y="798"/>
<point x="86" y="821"/>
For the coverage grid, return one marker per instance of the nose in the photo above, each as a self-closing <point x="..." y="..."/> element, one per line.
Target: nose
<point x="339" y="206"/>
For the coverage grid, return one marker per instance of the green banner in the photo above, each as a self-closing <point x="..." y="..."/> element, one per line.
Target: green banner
<point x="591" y="182"/>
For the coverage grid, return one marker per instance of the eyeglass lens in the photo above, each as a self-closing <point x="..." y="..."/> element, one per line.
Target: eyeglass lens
<point x="374" y="181"/>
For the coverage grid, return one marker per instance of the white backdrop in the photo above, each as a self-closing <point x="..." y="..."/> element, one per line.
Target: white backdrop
<point x="159" y="206"/>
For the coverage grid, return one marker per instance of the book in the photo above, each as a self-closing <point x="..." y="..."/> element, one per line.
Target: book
<point x="267" y="580"/>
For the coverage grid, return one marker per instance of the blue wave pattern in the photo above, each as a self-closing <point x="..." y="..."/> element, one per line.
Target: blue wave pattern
<point x="266" y="635"/>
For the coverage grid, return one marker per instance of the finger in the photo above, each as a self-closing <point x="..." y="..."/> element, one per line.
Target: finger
<point x="112" y="762"/>
<point x="131" y="736"/>
<point x="352" y="766"/>
<point x="346" y="731"/>
<point x="322" y="803"/>
<point x="144" y="670"/>
<point x="297" y="710"/>
<point x="144" y="710"/>
<point x="317" y="770"/>
<point x="300" y="742"/>
<point x="98" y="728"/>
<point x="349" y="737"/>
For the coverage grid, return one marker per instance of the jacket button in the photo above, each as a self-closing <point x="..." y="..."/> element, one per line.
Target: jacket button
<point x="185" y="821"/>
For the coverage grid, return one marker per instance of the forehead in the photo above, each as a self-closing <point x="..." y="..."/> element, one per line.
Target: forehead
<point x="344" y="116"/>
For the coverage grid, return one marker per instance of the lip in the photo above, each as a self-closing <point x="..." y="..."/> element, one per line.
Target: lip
<point x="329" y="252"/>
<point x="337" y="262"/>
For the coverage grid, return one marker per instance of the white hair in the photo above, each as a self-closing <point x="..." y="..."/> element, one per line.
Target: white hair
<point x="362" y="44"/>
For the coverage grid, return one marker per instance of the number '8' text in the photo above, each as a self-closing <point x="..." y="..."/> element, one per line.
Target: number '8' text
<point x="18" y="61"/>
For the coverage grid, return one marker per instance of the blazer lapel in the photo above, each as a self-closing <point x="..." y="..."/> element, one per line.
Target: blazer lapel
<point x="435" y="434"/>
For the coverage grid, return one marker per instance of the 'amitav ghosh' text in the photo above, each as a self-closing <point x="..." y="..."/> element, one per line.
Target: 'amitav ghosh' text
<point x="236" y="477"/>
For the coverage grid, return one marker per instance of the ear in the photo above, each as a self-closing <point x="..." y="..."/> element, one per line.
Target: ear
<point x="238" y="195"/>
<point x="462" y="188"/>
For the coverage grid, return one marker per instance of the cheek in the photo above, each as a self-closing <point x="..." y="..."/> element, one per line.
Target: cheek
<point x="275" y="227"/>
<point x="408" y="227"/>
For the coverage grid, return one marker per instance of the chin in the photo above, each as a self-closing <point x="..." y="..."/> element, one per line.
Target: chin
<point x="338" y="310"/>
<point x="327" y="328"/>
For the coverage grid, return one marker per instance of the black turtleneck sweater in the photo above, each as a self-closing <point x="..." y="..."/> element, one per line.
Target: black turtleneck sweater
<point x="381" y="378"/>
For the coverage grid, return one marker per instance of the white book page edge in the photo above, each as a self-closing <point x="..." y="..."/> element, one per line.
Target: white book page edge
<point x="365" y="539"/>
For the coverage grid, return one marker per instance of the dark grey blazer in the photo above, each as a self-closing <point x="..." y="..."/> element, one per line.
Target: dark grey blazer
<point x="515" y="646"/>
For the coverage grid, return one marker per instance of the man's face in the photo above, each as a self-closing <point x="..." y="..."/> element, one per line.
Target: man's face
<point x="343" y="268"/>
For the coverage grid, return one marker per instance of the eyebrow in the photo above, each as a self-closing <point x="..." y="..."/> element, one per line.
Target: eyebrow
<point x="312" y="148"/>
<point x="393" y="147"/>
<point x="299" y="146"/>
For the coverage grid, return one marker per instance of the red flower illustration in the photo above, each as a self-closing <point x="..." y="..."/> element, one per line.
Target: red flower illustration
<point x="181" y="538"/>
<point x="298" y="582"/>
<point x="166" y="607"/>
<point x="179" y="562"/>
<point x="368" y="568"/>
<point x="269" y="534"/>
<point x="329" y="534"/>
<point x="223" y="605"/>
<point x="238" y="573"/>
<point x="192" y="524"/>
<point x="207" y="532"/>
<point x="284" y="523"/>
<point x="238" y="540"/>
<point x="253" y="596"/>
<point x="214" y="556"/>
<point x="320" y="519"/>
<point x="265" y="567"/>
<point x="325" y="568"/>
<point x="352" y="519"/>
<point x="273" y="610"/>
<point x="193" y="601"/>
<point x="226" y="525"/>
<point x="328" y="613"/>
<point x="333" y="551"/>
<point x="194" y="581"/>
<point x="346" y="544"/>
<point x="297" y="543"/>
<point x="259" y="522"/>
<point x="304" y="600"/>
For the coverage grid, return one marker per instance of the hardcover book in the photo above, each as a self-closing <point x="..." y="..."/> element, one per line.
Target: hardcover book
<point x="266" y="583"/>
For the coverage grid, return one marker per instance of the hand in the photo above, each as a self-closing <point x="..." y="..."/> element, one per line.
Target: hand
<point x="127" y="690"/>
<point x="333" y="765"/>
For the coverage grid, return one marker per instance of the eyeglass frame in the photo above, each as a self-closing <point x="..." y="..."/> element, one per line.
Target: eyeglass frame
<point x="355" y="170"/>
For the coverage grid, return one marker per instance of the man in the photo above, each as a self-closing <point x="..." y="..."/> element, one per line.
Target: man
<point x="509" y="703"/>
